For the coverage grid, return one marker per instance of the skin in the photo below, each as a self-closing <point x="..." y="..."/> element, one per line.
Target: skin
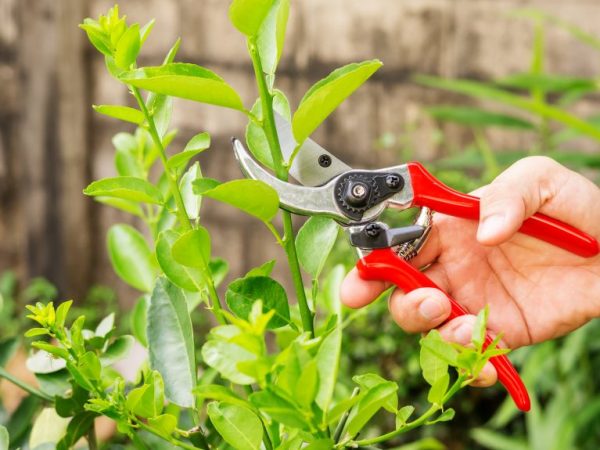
<point x="535" y="291"/>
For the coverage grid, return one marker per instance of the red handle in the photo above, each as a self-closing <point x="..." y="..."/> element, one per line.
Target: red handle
<point x="432" y="193"/>
<point x="385" y="265"/>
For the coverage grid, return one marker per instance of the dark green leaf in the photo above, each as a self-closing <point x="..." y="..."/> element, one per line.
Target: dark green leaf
<point x="475" y="117"/>
<point x="314" y="242"/>
<point x="128" y="188"/>
<point x="124" y="113"/>
<point x="77" y="428"/>
<point x="187" y="81"/>
<point x="131" y="257"/>
<point x="244" y="292"/>
<point x="188" y="278"/>
<point x="117" y="350"/>
<point x="21" y="419"/>
<point x="170" y="341"/>
<point x="138" y="319"/>
<point x="238" y="425"/>
<point x="165" y="424"/>
<point x="248" y="15"/>
<point x="73" y="403"/>
<point x="251" y="196"/>
<point x="326" y="95"/>
<point x="279" y="409"/>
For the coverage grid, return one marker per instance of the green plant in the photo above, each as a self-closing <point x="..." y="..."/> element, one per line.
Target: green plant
<point x="269" y="371"/>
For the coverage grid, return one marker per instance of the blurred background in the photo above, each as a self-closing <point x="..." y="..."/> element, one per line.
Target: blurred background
<point x="545" y="52"/>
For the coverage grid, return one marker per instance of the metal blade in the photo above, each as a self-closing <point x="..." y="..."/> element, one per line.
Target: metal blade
<point x="313" y="165"/>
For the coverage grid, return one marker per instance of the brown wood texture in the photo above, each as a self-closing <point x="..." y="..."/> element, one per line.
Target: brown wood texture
<point x="52" y="145"/>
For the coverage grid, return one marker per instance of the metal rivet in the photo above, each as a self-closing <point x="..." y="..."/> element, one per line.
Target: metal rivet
<point x="324" y="160"/>
<point x="372" y="230"/>
<point x="393" y="181"/>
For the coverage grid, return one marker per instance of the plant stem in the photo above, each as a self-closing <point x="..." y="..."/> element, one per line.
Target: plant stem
<point x="172" y="179"/>
<point x="176" y="192"/>
<point x="91" y="438"/>
<point x="289" y="244"/>
<point x="339" y="429"/>
<point x="26" y="387"/>
<point x="417" y="422"/>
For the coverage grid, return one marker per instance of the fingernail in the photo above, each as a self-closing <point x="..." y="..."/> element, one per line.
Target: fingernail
<point x="431" y="308"/>
<point x="491" y="226"/>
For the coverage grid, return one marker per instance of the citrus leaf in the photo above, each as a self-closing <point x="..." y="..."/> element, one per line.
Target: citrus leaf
<point x="128" y="188"/>
<point x="248" y="15"/>
<point x="314" y="242"/>
<point x="124" y="113"/>
<point x="238" y="425"/>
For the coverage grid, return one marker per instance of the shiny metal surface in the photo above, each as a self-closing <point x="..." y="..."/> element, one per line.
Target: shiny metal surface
<point x="305" y="167"/>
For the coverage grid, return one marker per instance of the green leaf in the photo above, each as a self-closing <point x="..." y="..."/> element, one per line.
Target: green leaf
<point x="368" y="406"/>
<point x="248" y="15"/>
<point x="191" y="201"/>
<point x="128" y="188"/>
<point x="263" y="270"/>
<point x="225" y="357"/>
<point x="255" y="134"/>
<point x="105" y="326"/>
<point x="314" y="242"/>
<point x="279" y="409"/>
<point x="192" y="249"/>
<point x="165" y="424"/>
<point x="438" y="390"/>
<point x="89" y="366"/>
<point x="548" y="82"/>
<point x="220" y="393"/>
<point x="403" y="415"/>
<point x="188" y="278"/>
<point x="21" y="419"/>
<point x="138" y="319"/>
<point x="128" y="47"/>
<point x="475" y="117"/>
<point x="181" y="159"/>
<point x="205" y="184"/>
<point x="199" y="142"/>
<point x="117" y="349"/>
<point x="368" y="381"/>
<point x="61" y="312"/>
<point x="244" y="292"/>
<point x="326" y="95"/>
<point x="147" y="400"/>
<point x="446" y="416"/>
<point x="271" y="35"/>
<point x="77" y="428"/>
<point x="170" y="342"/>
<point x="479" y="329"/>
<point x="124" y="205"/>
<point x="97" y="37"/>
<point x="498" y="441"/>
<point x="32" y="332"/>
<point x="435" y="344"/>
<point x="308" y="382"/>
<point x="328" y="361"/>
<point x="131" y="257"/>
<point x="251" y="196"/>
<point x="70" y="401"/>
<point x="238" y="426"/>
<point x="433" y="365"/>
<point x="48" y="428"/>
<point x="145" y="30"/>
<point x="187" y="81"/>
<point x="218" y="268"/>
<point x="124" y="113"/>
<point x="320" y="444"/>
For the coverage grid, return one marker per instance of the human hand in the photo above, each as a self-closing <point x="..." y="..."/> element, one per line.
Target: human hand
<point x="535" y="291"/>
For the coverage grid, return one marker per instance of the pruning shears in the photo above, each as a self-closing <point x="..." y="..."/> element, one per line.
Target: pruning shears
<point x="357" y="198"/>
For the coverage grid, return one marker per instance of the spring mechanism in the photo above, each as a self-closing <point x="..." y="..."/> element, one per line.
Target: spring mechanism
<point x="409" y="250"/>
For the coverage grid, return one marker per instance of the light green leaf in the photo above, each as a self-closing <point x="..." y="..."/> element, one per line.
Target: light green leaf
<point x="221" y="393"/>
<point x="433" y="365"/>
<point x="105" y="326"/>
<point x="306" y="389"/>
<point x="145" y="30"/>
<point x="314" y="242"/>
<point x="138" y="319"/>
<point x="326" y="95"/>
<point x="403" y="415"/>
<point x="369" y="405"/>
<point x="118" y="349"/>
<point x="124" y="113"/>
<point x="61" y="312"/>
<point x="479" y="329"/>
<point x="181" y="159"/>
<point x="89" y="366"/>
<point x="128" y="188"/>
<point x="48" y="428"/>
<point x="255" y="134"/>
<point x="320" y="444"/>
<point x="244" y="292"/>
<point x="263" y="270"/>
<point x="192" y="249"/>
<point x="331" y="290"/>
<point x="238" y="426"/>
<point x="191" y="201"/>
<point x="188" y="278"/>
<point x="165" y="424"/>
<point x="199" y="142"/>
<point x="368" y="381"/>
<point x="438" y="390"/>
<point x="279" y="409"/>
<point x="124" y="205"/>
<point x="224" y="357"/>
<point x="205" y="184"/>
<point x="434" y="343"/>
<point x="128" y="47"/>
<point x="546" y="82"/>
<point x="147" y="400"/>
<point x="251" y="196"/>
<point x="218" y="268"/>
<point x="248" y="15"/>
<point x="4" y="438"/>
<point x="446" y="416"/>
<point x="187" y="81"/>
<point x="498" y="441"/>
<point x="328" y="359"/>
<point x="131" y="257"/>
<point x="475" y="117"/>
<point x="271" y="35"/>
<point x="170" y="342"/>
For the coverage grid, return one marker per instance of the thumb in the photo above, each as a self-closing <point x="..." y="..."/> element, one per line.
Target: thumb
<point x="517" y="194"/>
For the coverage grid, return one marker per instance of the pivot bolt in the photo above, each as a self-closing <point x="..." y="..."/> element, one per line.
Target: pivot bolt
<point x="373" y="230"/>
<point x="324" y="160"/>
<point x="393" y="181"/>
<point x="359" y="190"/>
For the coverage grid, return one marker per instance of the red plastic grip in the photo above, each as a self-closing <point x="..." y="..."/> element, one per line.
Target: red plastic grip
<point x="432" y="193"/>
<point x="385" y="265"/>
